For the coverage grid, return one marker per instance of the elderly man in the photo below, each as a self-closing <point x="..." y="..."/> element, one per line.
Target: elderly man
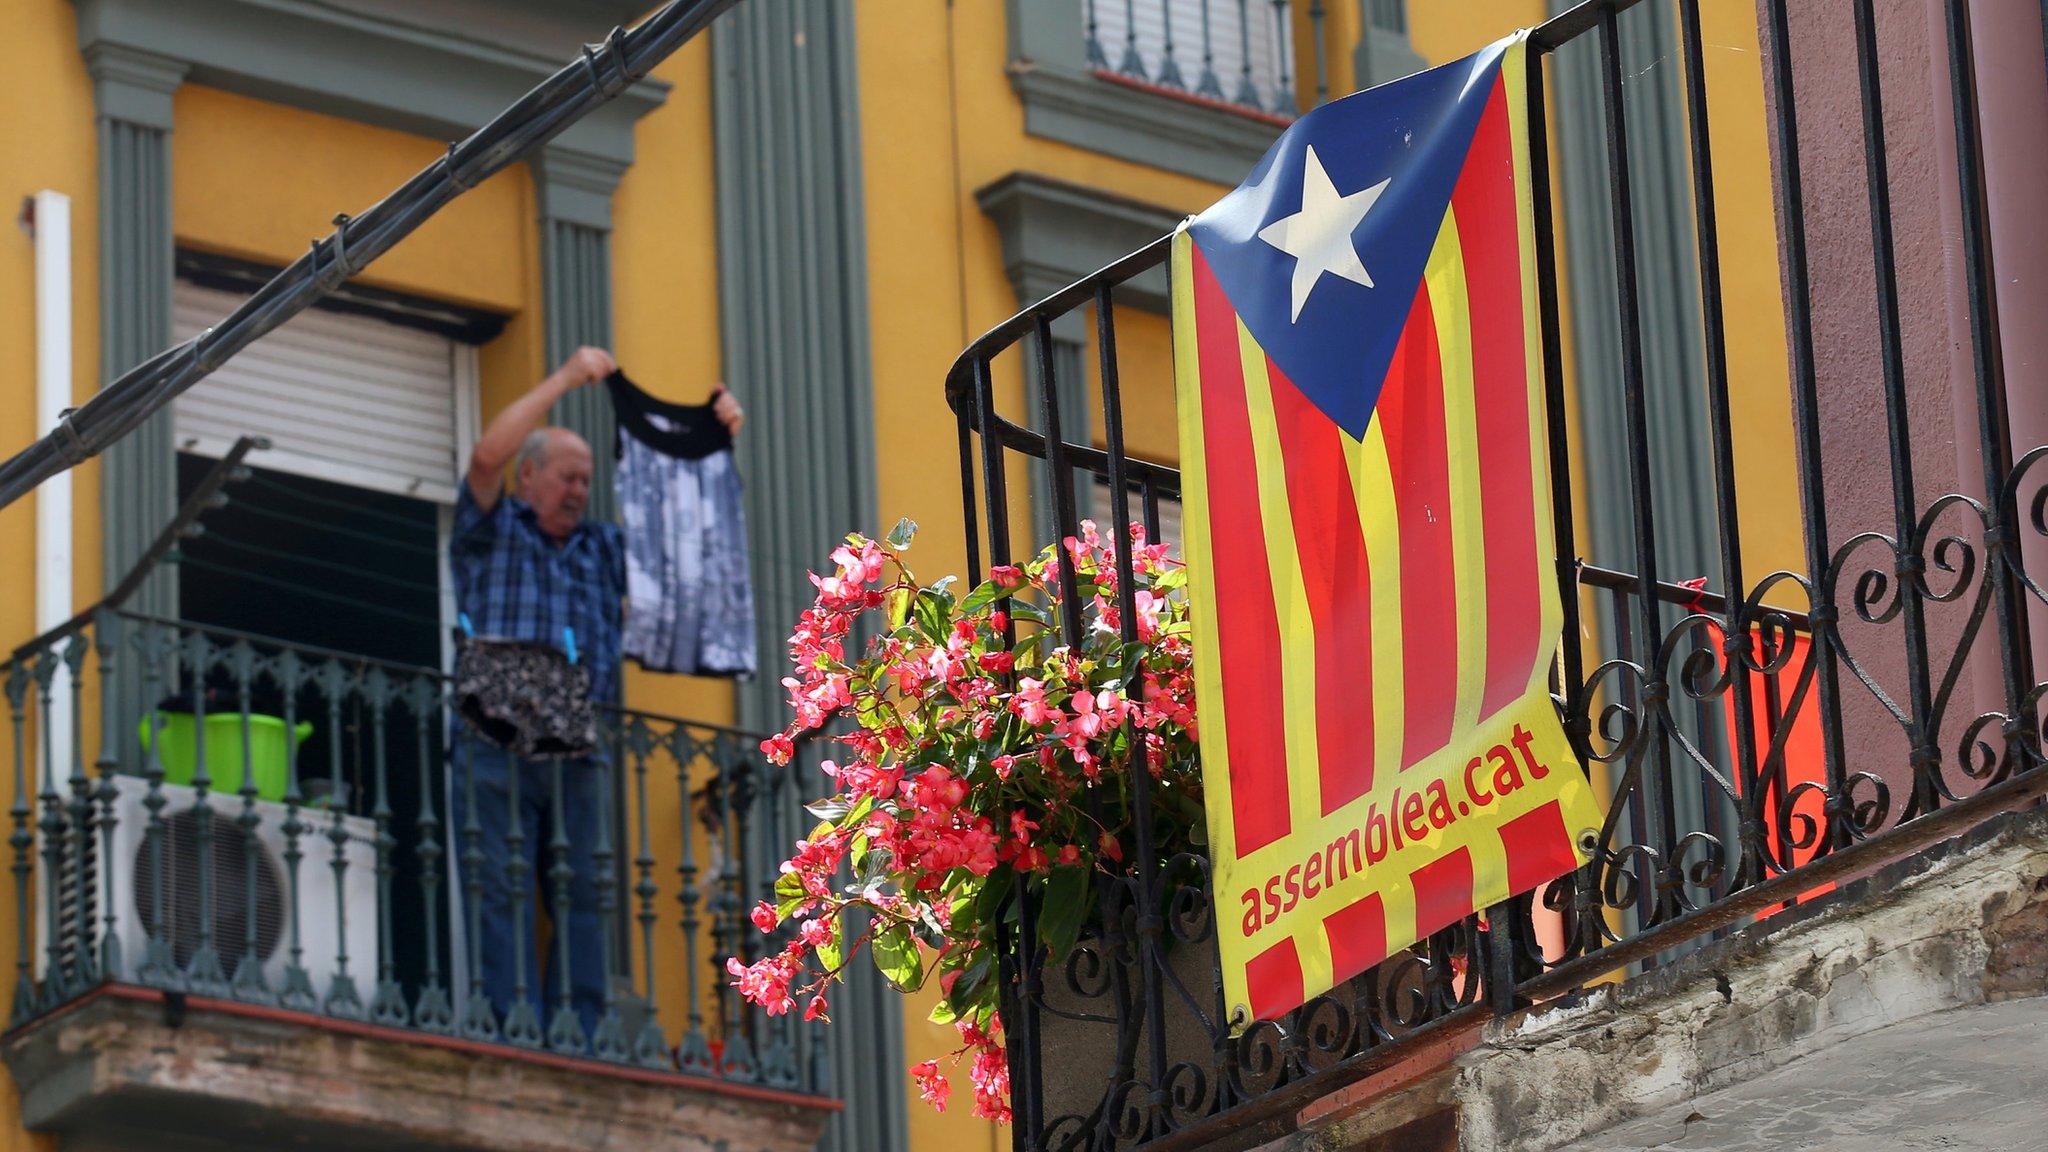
<point x="529" y="567"/>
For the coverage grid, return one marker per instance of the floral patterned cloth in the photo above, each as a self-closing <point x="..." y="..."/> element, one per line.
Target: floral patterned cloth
<point x="525" y="698"/>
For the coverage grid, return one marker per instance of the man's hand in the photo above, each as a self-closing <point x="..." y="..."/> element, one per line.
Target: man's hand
<point x="728" y="410"/>
<point x="586" y="365"/>
<point x="501" y="440"/>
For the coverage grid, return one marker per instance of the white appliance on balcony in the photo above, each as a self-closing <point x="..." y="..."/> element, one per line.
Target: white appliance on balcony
<point x="323" y="923"/>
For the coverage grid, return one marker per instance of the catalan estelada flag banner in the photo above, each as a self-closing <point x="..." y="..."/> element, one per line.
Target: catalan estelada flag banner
<point x="1368" y="533"/>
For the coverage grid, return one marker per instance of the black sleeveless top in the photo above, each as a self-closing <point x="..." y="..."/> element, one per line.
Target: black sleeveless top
<point x="684" y="431"/>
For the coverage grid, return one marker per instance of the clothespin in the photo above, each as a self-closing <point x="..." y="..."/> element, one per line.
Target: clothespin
<point x="569" y="643"/>
<point x="468" y="629"/>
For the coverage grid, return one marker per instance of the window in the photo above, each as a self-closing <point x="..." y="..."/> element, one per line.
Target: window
<point x="1225" y="49"/>
<point x="337" y="540"/>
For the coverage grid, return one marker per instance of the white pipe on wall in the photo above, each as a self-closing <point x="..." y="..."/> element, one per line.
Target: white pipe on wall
<point x="52" y="223"/>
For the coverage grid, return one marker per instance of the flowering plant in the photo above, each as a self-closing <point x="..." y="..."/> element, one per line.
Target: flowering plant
<point x="985" y="752"/>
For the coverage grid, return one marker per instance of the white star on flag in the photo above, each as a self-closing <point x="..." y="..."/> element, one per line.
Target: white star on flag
<point x="1319" y="236"/>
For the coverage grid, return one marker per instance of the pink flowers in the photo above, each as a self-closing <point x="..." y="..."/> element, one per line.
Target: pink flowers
<point x="1096" y="714"/>
<point x="988" y="1072"/>
<point x="1030" y="703"/>
<point x="969" y="740"/>
<point x="932" y="1084"/>
<point x="991" y="1079"/>
<point x="858" y="567"/>
<point x="937" y="790"/>
<point x="764" y="982"/>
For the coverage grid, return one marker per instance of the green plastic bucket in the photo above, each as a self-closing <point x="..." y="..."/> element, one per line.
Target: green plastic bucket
<point x="268" y="749"/>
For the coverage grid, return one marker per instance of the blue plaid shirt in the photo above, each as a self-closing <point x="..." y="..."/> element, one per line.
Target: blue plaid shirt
<point x="514" y="582"/>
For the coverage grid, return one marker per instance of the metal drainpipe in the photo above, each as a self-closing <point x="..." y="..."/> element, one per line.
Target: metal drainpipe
<point x="49" y="220"/>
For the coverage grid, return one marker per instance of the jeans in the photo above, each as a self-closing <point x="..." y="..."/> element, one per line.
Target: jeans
<point x="583" y="797"/>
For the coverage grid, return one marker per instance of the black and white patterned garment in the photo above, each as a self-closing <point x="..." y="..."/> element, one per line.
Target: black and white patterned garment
<point x="689" y="591"/>
<point x="525" y="698"/>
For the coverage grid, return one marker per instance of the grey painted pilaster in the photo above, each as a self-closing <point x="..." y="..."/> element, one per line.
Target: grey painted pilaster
<point x="575" y="194"/>
<point x="793" y="319"/>
<point x="1383" y="51"/>
<point x="1055" y="233"/>
<point x="139" y="473"/>
<point x="1681" y="475"/>
<point x="1077" y="421"/>
<point x="132" y="92"/>
<point x="1668" y="288"/>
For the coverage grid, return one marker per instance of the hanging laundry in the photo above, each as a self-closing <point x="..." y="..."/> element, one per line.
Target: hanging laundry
<point x="529" y="699"/>
<point x="689" y="590"/>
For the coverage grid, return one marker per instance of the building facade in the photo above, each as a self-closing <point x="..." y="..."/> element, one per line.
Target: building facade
<point x="820" y="203"/>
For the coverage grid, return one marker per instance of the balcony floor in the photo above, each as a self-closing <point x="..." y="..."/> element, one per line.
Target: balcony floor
<point x="117" y="1069"/>
<point x="1970" y="1080"/>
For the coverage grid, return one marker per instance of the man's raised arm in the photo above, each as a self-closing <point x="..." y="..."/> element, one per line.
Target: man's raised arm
<point x="500" y="442"/>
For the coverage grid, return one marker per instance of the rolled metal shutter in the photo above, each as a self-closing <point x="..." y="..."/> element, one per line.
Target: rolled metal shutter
<point x="341" y="397"/>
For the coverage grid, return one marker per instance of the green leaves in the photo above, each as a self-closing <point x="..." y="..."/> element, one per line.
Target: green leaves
<point x="1062" y="905"/>
<point x="979" y="599"/>
<point x="831" y="953"/>
<point x="789" y="895"/>
<point x="830" y="809"/>
<point x="958" y="789"/>
<point x="897" y="958"/>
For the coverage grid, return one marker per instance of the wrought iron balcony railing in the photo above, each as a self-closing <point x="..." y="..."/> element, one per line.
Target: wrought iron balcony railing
<point x="1759" y="740"/>
<point x="329" y="880"/>
<point x="1237" y="54"/>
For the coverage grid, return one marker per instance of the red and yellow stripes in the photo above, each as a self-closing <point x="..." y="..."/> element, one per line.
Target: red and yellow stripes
<point x="1486" y="207"/>
<point x="1451" y="438"/>
<point x="1371" y="613"/>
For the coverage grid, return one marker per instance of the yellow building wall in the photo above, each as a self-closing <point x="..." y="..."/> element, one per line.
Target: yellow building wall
<point x="1759" y="389"/>
<point x="939" y="120"/>
<point x="665" y="331"/>
<point x="46" y="106"/>
<point x="259" y="181"/>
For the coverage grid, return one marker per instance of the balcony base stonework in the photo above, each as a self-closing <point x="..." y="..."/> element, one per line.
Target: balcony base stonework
<point x="1899" y="1011"/>
<point x="123" y="1068"/>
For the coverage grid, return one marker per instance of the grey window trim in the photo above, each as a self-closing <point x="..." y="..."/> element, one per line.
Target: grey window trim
<point x="1055" y="233"/>
<point x="425" y="69"/>
<point x="1383" y="51"/>
<point x="1066" y="102"/>
<point x="455" y="321"/>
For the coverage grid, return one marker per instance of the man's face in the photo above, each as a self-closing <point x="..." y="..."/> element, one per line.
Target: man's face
<point x="558" y="487"/>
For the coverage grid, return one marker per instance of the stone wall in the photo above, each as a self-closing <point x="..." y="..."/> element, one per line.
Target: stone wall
<point x="126" y="1069"/>
<point x="1923" y="949"/>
